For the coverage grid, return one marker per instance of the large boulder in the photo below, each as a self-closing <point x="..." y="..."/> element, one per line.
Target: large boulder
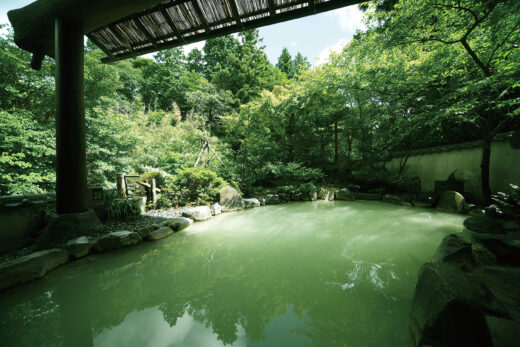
<point x="253" y="202"/>
<point x="79" y="247"/>
<point x="454" y="249"/>
<point x="230" y="199"/>
<point x="272" y="199"/>
<point x="484" y="224"/>
<point x="451" y="201"/>
<point x="326" y="194"/>
<point x="177" y="223"/>
<point x="215" y="208"/>
<point x="61" y="228"/>
<point x="116" y="239"/>
<point x="160" y="233"/>
<point x="447" y="308"/>
<point x="197" y="213"/>
<point x="345" y="194"/>
<point x="30" y="267"/>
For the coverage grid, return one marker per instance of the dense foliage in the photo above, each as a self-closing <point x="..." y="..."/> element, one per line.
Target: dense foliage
<point x="423" y="73"/>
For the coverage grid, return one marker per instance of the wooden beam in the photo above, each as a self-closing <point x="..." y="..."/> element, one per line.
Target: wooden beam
<point x="196" y="6"/>
<point x="170" y="23"/>
<point x="312" y="4"/>
<point x="281" y="17"/>
<point x="71" y="168"/>
<point x="272" y="11"/>
<point x="102" y="47"/>
<point x="234" y="11"/>
<point x="145" y="31"/>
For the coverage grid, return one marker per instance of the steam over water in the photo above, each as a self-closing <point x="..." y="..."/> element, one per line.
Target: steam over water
<point x="312" y="273"/>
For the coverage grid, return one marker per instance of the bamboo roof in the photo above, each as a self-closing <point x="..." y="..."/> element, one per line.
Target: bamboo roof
<point x="128" y="28"/>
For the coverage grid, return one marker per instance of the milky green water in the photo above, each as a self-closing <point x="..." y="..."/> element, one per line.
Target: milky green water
<point x="299" y="274"/>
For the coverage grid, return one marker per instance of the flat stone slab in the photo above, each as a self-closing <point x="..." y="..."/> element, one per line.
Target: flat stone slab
<point x="79" y="247"/>
<point x="484" y="224"/>
<point x="197" y="213"/>
<point x="368" y="196"/>
<point x="31" y="267"/>
<point x="160" y="233"/>
<point x="116" y="239"/>
<point x="177" y="223"/>
<point x="392" y="199"/>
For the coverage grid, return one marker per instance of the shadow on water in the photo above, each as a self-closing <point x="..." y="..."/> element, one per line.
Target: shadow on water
<point x="296" y="274"/>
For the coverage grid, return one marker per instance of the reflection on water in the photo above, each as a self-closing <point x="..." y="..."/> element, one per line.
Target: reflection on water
<point x="318" y="274"/>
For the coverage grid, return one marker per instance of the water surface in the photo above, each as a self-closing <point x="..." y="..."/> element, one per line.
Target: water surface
<point x="299" y="274"/>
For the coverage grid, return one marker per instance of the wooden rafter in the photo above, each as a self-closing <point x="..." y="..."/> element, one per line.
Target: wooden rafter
<point x="149" y="36"/>
<point x="170" y="23"/>
<point x="272" y="10"/>
<point x="197" y="8"/>
<point x="234" y="11"/>
<point x="229" y="25"/>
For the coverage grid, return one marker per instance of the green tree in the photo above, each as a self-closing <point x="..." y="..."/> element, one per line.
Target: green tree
<point x="285" y="63"/>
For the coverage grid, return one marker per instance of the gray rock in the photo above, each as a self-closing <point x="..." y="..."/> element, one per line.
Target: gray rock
<point x="30" y="267"/>
<point x="506" y="252"/>
<point x="454" y="249"/>
<point x="253" y="202"/>
<point x="392" y="199"/>
<point x="79" y="247"/>
<point x="345" y="194"/>
<point x="447" y="308"/>
<point x="272" y="199"/>
<point x="262" y="200"/>
<point x="64" y="227"/>
<point x="483" y="224"/>
<point x="215" y="208"/>
<point x="504" y="332"/>
<point x="177" y="223"/>
<point x="295" y="197"/>
<point x="230" y="199"/>
<point x="160" y="233"/>
<point x="145" y="231"/>
<point x="116" y="239"/>
<point x="197" y="213"/>
<point x="451" y="201"/>
<point x="310" y="196"/>
<point x="326" y="194"/>
<point x="511" y="226"/>
<point x="368" y="196"/>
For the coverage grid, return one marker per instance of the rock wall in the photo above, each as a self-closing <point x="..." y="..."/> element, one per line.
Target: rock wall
<point x="464" y="159"/>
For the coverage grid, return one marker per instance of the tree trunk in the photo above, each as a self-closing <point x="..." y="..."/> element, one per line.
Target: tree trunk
<point x="336" y="155"/>
<point x="484" y="167"/>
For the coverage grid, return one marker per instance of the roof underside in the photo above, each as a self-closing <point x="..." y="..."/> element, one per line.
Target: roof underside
<point x="178" y="22"/>
<point x="128" y="28"/>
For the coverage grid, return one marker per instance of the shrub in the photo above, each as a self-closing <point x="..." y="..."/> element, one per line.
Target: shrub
<point x="118" y="208"/>
<point x="194" y="186"/>
<point x="293" y="173"/>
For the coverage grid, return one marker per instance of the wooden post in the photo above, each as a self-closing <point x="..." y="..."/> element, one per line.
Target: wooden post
<point x="154" y="191"/>
<point x="71" y="171"/>
<point x="121" y="185"/>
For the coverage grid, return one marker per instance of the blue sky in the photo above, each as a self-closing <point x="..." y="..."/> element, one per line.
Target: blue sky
<point x="313" y="36"/>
